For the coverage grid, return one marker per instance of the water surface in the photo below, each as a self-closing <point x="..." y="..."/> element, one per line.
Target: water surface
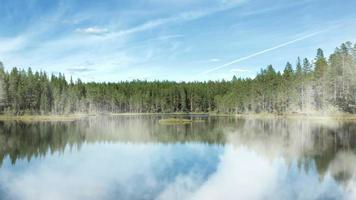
<point x="136" y="157"/>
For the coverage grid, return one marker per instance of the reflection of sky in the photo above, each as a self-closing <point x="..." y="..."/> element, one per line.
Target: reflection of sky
<point x="164" y="171"/>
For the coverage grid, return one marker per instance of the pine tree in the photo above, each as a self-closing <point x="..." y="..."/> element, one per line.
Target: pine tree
<point x="319" y="78"/>
<point x="3" y="93"/>
<point x="234" y="78"/>
<point x="288" y="82"/>
<point x="299" y="84"/>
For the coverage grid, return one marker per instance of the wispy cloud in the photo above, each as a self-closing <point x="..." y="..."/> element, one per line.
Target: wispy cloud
<point x="274" y="8"/>
<point x="165" y="37"/>
<point x="180" y="17"/>
<point x="11" y="44"/>
<point x="214" y="60"/>
<point x="93" y="30"/>
<point x="262" y="52"/>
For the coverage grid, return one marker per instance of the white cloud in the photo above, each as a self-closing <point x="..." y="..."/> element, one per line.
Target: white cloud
<point x="93" y="30"/>
<point x="11" y="44"/>
<point x="214" y="60"/>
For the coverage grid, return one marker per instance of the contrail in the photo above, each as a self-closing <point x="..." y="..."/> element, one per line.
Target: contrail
<point x="262" y="52"/>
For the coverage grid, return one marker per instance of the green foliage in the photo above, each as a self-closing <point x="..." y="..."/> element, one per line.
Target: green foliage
<point x="331" y="84"/>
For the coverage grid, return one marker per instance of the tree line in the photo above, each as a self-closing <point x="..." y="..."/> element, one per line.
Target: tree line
<point x="318" y="85"/>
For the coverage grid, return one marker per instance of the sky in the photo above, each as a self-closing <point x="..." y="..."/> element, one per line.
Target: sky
<point x="178" y="40"/>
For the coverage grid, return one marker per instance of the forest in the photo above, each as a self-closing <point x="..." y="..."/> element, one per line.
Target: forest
<point x="321" y="85"/>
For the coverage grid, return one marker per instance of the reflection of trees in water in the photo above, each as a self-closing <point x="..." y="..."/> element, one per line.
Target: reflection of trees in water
<point x="304" y="141"/>
<point x="330" y="146"/>
<point x="24" y="141"/>
<point x="20" y="140"/>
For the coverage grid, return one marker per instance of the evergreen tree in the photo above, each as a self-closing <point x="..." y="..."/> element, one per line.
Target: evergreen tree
<point x="331" y="84"/>
<point x="300" y="85"/>
<point x="3" y="93"/>
<point x="319" y="78"/>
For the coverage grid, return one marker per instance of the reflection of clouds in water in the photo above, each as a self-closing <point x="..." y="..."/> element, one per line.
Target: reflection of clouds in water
<point x="351" y="188"/>
<point x="291" y="139"/>
<point x="345" y="164"/>
<point x="84" y="175"/>
<point x="166" y="171"/>
<point x="243" y="174"/>
<point x="181" y="188"/>
<point x="107" y="171"/>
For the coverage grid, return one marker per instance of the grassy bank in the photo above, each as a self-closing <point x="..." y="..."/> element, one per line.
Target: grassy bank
<point x="174" y="113"/>
<point x="337" y="116"/>
<point x="72" y="117"/>
<point x="44" y="118"/>
<point x="313" y="116"/>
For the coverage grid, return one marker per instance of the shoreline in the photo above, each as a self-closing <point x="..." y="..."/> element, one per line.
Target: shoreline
<point x="43" y="118"/>
<point x="72" y="117"/>
<point x="309" y="116"/>
<point x="340" y="116"/>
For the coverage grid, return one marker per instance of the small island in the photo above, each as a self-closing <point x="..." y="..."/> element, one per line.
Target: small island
<point x="173" y="121"/>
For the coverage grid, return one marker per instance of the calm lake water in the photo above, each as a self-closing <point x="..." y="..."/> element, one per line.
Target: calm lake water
<point x="136" y="157"/>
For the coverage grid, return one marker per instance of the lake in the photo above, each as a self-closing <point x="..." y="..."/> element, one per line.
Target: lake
<point x="137" y="157"/>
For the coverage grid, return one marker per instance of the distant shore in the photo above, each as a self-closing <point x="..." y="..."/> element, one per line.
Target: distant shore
<point x="312" y="116"/>
<point x="337" y="116"/>
<point x="72" y="117"/>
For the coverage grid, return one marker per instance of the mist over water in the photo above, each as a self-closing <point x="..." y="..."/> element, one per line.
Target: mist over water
<point x="136" y="157"/>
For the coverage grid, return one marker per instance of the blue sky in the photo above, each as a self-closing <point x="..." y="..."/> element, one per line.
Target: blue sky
<point x="181" y="40"/>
